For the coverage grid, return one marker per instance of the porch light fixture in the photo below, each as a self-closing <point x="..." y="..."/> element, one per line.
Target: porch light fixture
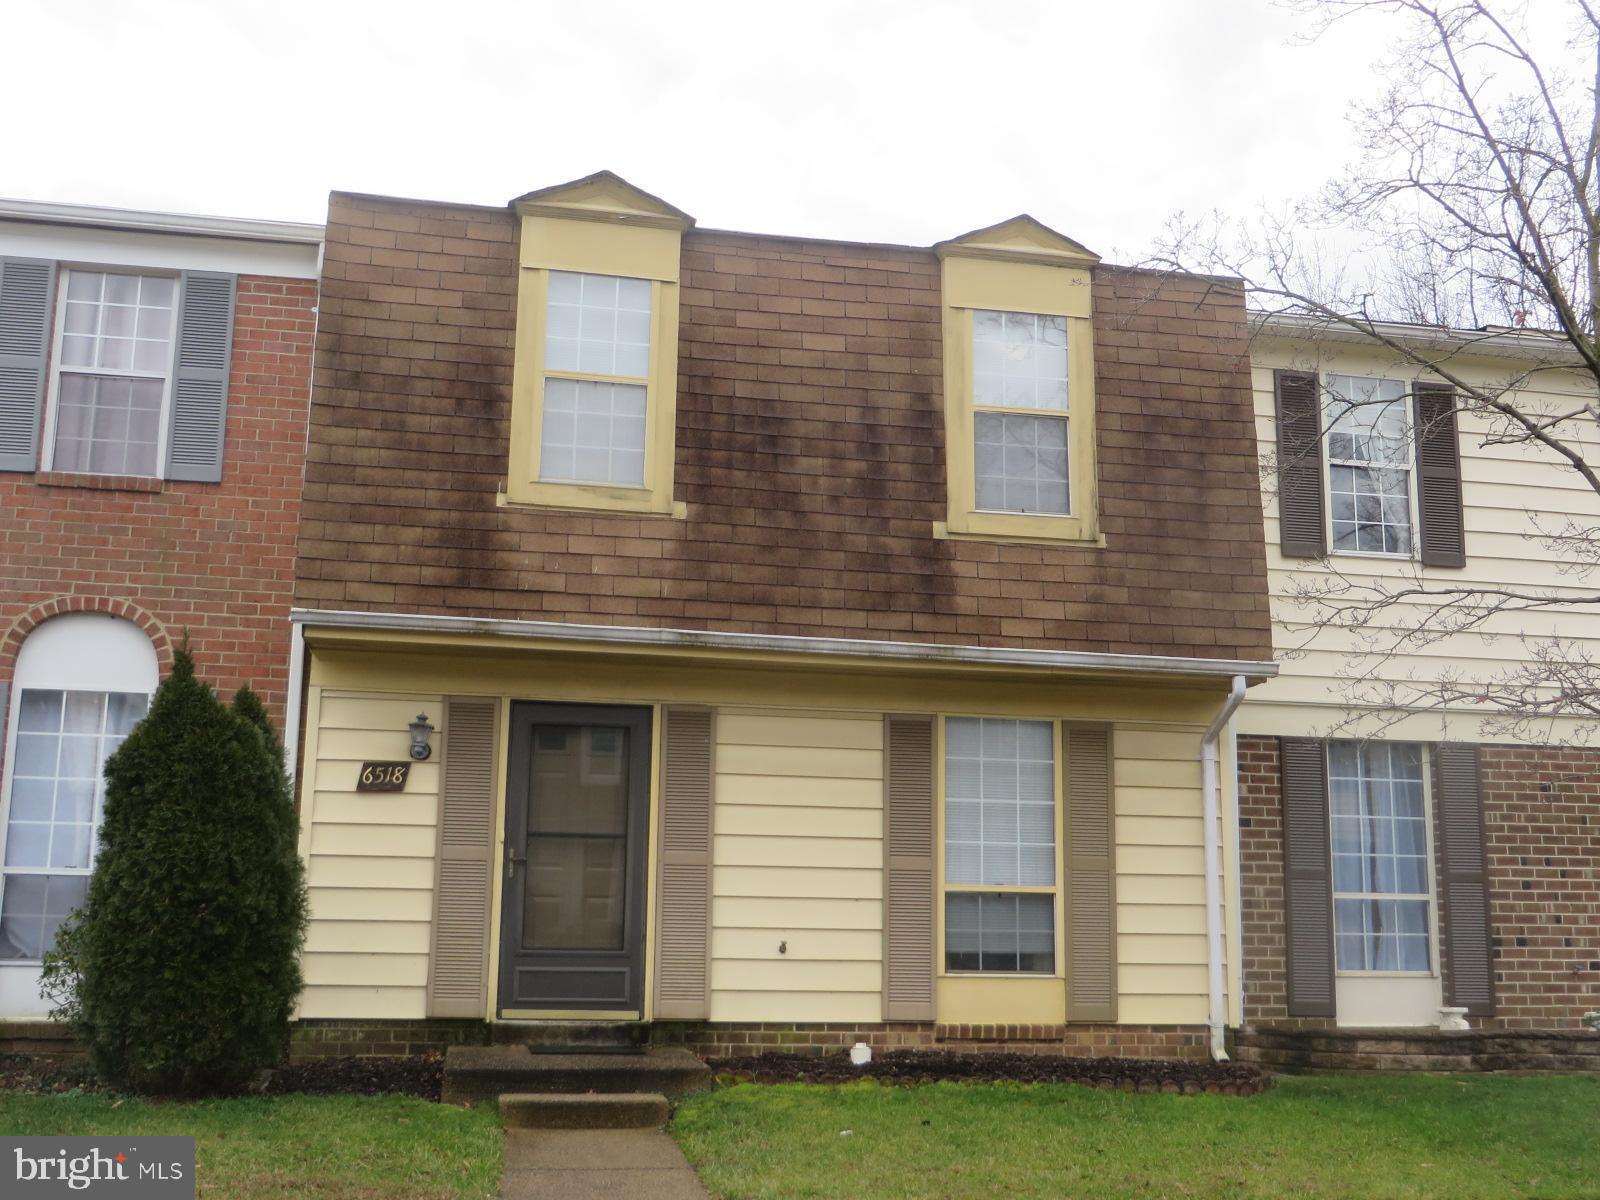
<point x="421" y="731"/>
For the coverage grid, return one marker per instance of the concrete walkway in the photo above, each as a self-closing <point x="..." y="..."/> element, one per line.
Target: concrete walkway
<point x="596" y="1164"/>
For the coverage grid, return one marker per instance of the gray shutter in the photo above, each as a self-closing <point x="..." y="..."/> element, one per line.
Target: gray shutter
<point x="683" y="917"/>
<point x="1091" y="890"/>
<point x="200" y="381"/>
<point x="1464" y="890"/>
<point x="458" y="958"/>
<point x="26" y="287"/>
<point x="908" y="868"/>
<point x="1307" y="878"/>
<point x="1442" y="534"/>
<point x="1302" y="529"/>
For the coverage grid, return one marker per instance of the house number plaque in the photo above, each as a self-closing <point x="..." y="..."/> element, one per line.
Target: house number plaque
<point x="383" y="777"/>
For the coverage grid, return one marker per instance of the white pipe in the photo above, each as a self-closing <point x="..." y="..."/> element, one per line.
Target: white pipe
<point x="1210" y="806"/>
<point x="1236" y="969"/>
<point x="291" y="705"/>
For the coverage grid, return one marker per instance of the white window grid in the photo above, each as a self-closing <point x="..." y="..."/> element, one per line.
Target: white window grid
<point x="60" y="348"/>
<point x="597" y="343"/>
<point x="55" y="793"/>
<point x="1378" y="804"/>
<point x="1369" y="467"/>
<point x="994" y="932"/>
<point x="999" y="835"/>
<point x="1020" y="393"/>
<point x="999" y="789"/>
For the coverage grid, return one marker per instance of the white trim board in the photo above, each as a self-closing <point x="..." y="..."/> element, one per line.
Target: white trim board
<point x="158" y="250"/>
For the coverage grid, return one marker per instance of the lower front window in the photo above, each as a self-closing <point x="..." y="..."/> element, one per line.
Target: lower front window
<point x="1381" y="888"/>
<point x="999" y="846"/>
<point x="53" y="812"/>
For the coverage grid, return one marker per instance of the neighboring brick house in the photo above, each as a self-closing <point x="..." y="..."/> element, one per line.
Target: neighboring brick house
<point x="154" y="381"/>
<point x="783" y="633"/>
<point x="1435" y="859"/>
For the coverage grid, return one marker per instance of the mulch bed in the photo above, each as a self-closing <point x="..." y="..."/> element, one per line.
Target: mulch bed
<point x="931" y="1066"/>
<point x="419" y="1075"/>
<point x="41" y="1074"/>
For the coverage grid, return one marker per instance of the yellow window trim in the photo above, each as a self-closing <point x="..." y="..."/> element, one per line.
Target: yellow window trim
<point x="1056" y="889"/>
<point x="598" y="226"/>
<point x="1018" y="266"/>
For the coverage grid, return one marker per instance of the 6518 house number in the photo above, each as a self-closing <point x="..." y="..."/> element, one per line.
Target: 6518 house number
<point x="383" y="777"/>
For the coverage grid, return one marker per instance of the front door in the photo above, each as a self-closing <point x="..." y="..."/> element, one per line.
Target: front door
<point x="577" y="819"/>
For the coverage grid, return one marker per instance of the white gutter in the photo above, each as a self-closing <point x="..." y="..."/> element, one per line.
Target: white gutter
<point x="94" y="215"/>
<point x="636" y="636"/>
<point x="1548" y="348"/>
<point x="1210" y="806"/>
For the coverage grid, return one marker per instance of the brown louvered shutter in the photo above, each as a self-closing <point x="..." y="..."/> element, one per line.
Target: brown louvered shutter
<point x="1464" y="890"/>
<point x="683" y="916"/>
<point x="458" y="960"/>
<point x="1302" y="529"/>
<point x="1091" y="884"/>
<point x="1442" y="534"/>
<point x="908" y="868"/>
<point x="1307" y="878"/>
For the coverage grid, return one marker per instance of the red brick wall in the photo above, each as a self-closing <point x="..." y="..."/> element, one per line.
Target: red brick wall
<point x="213" y="560"/>
<point x="725" y="1039"/>
<point x="810" y="455"/>
<point x="321" y="1038"/>
<point x="1542" y="821"/>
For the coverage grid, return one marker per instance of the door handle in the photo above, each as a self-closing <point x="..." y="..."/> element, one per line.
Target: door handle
<point x="513" y="861"/>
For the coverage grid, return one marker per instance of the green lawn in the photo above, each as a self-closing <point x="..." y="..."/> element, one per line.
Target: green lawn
<point x="303" y="1147"/>
<point x="1456" y="1138"/>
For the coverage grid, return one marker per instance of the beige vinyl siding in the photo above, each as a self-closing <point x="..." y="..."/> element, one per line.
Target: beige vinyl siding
<point x="1501" y="487"/>
<point x="1161" y="923"/>
<point x="369" y="858"/>
<point x="797" y="859"/>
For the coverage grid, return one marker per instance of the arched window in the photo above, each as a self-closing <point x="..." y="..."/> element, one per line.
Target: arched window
<point x="82" y="682"/>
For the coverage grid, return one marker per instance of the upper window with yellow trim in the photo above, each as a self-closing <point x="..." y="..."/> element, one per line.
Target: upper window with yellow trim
<point x="594" y="388"/>
<point x="1019" y="385"/>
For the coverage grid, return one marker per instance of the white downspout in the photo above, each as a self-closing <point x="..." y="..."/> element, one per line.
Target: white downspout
<point x="291" y="704"/>
<point x="1210" y="785"/>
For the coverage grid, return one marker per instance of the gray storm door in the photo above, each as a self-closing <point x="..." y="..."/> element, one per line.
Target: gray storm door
<point x="577" y="823"/>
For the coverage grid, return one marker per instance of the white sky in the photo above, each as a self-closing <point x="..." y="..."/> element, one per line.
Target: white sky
<point x="876" y="120"/>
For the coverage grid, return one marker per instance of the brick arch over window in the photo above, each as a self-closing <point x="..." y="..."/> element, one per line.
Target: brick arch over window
<point x="59" y="606"/>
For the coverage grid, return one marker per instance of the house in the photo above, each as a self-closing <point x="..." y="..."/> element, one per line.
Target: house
<point x="776" y="640"/>
<point x="1402" y="850"/>
<point x="154" y="379"/>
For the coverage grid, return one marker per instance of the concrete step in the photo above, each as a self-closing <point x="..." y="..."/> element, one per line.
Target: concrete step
<point x="477" y="1073"/>
<point x="562" y="1110"/>
<point x="572" y="1037"/>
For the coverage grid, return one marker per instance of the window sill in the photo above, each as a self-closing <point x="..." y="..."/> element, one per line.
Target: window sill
<point x="1379" y="554"/>
<point x="597" y="501"/>
<point x="1018" y="527"/>
<point x="1386" y="974"/>
<point x="102" y="483"/>
<point x="1000" y="975"/>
